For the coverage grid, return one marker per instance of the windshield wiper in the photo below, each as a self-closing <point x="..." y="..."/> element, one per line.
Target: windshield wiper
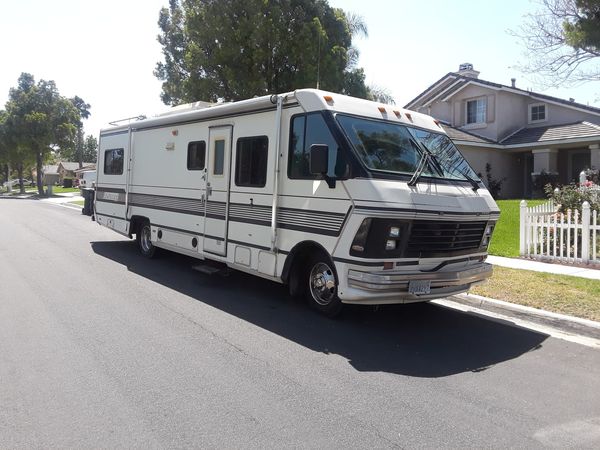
<point x="474" y="183"/>
<point x="425" y="159"/>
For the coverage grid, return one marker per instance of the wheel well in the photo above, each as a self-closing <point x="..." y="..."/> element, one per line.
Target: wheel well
<point x="134" y="224"/>
<point x="299" y="253"/>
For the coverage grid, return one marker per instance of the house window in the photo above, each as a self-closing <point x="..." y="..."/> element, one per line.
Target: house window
<point x="251" y="161"/>
<point x="537" y="113"/>
<point x="196" y="155"/>
<point x="113" y="161"/>
<point x="476" y="111"/>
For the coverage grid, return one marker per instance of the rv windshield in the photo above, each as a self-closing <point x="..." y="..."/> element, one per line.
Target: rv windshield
<point x="391" y="147"/>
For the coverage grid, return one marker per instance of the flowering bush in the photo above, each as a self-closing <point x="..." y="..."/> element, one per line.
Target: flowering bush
<point x="573" y="195"/>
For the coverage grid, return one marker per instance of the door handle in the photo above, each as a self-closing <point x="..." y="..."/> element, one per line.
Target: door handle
<point x="208" y="189"/>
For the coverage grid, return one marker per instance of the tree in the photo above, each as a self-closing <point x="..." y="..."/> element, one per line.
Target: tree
<point x="38" y="120"/>
<point x="562" y="41"/>
<point x="90" y="149"/>
<point x="237" y="49"/>
<point x="84" y="112"/>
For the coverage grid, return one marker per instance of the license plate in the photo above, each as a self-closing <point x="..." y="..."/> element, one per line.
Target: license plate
<point x="418" y="287"/>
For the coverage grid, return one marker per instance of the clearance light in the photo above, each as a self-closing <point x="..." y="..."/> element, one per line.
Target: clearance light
<point x="409" y="116"/>
<point x="437" y="122"/>
<point x="381" y="109"/>
<point x="328" y="98"/>
<point x="397" y="114"/>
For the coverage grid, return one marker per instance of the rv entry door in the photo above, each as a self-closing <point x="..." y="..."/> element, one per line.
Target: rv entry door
<point x="217" y="190"/>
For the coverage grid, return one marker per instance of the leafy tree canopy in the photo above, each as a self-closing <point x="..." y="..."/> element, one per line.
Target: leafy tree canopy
<point x="237" y="49"/>
<point x="562" y="41"/>
<point x="38" y="120"/>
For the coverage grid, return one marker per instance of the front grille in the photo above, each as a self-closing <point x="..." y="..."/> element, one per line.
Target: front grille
<point x="429" y="239"/>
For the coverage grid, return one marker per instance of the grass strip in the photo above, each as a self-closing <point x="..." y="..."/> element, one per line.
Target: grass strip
<point x="505" y="240"/>
<point x="562" y="294"/>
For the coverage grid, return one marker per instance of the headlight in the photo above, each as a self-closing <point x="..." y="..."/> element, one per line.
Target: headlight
<point x="394" y="232"/>
<point x="390" y="244"/>
<point x="358" y="244"/>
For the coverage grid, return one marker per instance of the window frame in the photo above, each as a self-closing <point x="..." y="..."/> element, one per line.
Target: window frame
<point x="214" y="165"/>
<point x="238" y="165"/>
<point x="477" y="99"/>
<point x="341" y="148"/>
<point x="188" y="156"/>
<point x="530" y="107"/>
<point x="122" y="149"/>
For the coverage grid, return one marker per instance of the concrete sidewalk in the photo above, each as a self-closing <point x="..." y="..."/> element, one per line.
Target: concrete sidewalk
<point x="559" y="269"/>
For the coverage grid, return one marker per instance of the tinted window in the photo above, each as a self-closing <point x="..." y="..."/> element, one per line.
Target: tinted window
<point x="219" y="157"/>
<point x="251" y="161"/>
<point x="306" y="131"/>
<point x="195" y="155"/>
<point x="113" y="161"/>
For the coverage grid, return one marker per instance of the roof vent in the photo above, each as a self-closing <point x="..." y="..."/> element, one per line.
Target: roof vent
<point x="572" y="100"/>
<point x="466" y="70"/>
<point x="513" y="82"/>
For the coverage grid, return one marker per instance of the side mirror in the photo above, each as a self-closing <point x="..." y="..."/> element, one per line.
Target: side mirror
<point x="319" y="163"/>
<point x="319" y="159"/>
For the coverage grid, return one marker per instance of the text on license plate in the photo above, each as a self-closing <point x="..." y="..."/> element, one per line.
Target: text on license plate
<point x="419" y="287"/>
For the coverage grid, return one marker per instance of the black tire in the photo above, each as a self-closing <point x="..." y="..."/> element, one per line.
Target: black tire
<point x="321" y="285"/>
<point x="142" y="237"/>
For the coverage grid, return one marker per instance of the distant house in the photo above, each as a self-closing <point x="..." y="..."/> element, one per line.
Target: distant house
<point x="518" y="132"/>
<point x="67" y="169"/>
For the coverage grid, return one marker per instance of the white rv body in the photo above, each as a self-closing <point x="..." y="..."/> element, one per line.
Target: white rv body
<point x="260" y="222"/>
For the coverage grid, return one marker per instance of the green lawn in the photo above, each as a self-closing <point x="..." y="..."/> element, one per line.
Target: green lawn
<point x="505" y="241"/>
<point x="78" y="202"/>
<point x="558" y="293"/>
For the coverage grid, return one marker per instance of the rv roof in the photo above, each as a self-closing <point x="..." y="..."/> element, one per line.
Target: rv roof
<point x="309" y="100"/>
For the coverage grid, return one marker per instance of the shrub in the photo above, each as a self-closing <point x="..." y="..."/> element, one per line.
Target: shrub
<point x="573" y="195"/>
<point x="542" y="180"/>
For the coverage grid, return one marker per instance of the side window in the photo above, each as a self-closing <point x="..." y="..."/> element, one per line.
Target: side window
<point x="251" y="161"/>
<point x="307" y="130"/>
<point x="113" y="161"/>
<point x="219" y="162"/>
<point x="196" y="154"/>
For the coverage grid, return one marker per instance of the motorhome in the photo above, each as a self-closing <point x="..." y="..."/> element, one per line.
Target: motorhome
<point x="342" y="199"/>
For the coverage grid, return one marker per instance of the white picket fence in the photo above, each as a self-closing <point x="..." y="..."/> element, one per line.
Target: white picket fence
<point x="548" y="235"/>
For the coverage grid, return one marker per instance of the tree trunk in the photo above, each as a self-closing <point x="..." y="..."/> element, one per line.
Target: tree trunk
<point x="38" y="166"/>
<point x="80" y="146"/>
<point x="20" y="174"/>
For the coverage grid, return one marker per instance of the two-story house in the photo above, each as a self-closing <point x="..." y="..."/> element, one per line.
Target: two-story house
<point x="520" y="133"/>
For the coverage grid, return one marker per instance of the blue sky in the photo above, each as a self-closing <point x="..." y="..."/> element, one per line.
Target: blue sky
<point x="105" y="51"/>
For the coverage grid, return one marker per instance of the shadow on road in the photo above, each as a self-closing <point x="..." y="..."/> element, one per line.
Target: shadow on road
<point x="422" y="340"/>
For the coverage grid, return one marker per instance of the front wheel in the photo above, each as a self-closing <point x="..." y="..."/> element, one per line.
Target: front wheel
<point x="144" y="241"/>
<point x="322" y="286"/>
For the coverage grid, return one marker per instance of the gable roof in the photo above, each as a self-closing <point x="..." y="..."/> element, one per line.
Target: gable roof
<point x="453" y="82"/>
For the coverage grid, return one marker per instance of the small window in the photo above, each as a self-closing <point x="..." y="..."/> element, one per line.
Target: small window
<point x="219" y="162"/>
<point x="251" y="161"/>
<point x="537" y="113"/>
<point x="113" y="161"/>
<point x="476" y="111"/>
<point x="196" y="155"/>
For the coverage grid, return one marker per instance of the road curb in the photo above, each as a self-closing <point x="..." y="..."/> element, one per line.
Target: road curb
<point x="562" y="322"/>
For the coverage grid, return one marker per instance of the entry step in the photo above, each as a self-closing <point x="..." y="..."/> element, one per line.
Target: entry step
<point x="210" y="269"/>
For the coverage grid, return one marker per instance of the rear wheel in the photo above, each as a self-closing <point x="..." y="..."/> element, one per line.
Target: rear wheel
<point x="322" y="281"/>
<point x="144" y="241"/>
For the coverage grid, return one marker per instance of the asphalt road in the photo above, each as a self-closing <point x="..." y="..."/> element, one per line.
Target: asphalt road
<point x="100" y="348"/>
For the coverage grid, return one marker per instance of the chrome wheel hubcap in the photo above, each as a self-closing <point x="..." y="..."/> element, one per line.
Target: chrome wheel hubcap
<point x="322" y="284"/>
<point x="145" y="241"/>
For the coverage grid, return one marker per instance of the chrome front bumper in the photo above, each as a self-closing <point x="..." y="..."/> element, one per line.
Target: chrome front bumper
<point x="392" y="287"/>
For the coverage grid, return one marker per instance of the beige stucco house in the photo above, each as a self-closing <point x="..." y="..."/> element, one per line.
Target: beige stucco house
<point x="520" y="133"/>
